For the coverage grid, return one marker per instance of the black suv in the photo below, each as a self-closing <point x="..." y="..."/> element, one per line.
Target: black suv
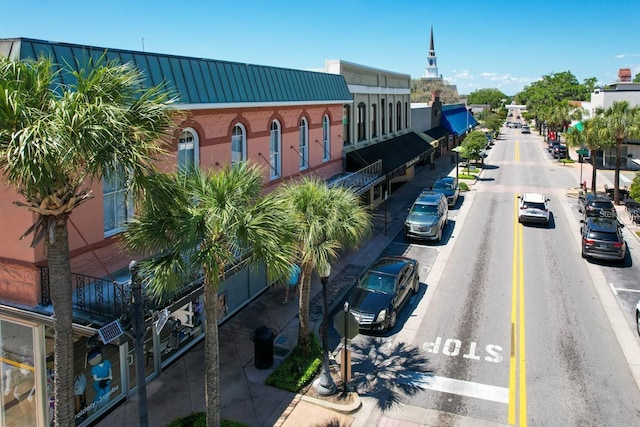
<point x="559" y="151"/>
<point x="602" y="239"/>
<point x="596" y="205"/>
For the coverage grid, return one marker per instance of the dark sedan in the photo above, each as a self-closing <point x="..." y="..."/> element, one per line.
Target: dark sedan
<point x="449" y="187"/>
<point x="382" y="292"/>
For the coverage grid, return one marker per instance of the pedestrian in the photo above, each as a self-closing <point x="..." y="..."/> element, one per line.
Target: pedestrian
<point x="292" y="282"/>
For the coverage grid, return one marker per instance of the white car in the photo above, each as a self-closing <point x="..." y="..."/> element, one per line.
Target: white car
<point x="533" y="208"/>
<point x="638" y="316"/>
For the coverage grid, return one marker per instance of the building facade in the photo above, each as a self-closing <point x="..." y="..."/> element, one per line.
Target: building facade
<point x="287" y="121"/>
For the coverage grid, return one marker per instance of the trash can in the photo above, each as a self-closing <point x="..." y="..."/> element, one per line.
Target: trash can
<point x="263" y="343"/>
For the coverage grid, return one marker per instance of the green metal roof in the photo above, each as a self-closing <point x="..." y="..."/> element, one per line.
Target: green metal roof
<point x="197" y="80"/>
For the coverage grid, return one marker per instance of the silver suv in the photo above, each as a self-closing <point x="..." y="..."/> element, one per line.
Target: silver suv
<point x="427" y="217"/>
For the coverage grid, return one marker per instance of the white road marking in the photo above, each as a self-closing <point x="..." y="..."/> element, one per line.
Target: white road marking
<point x="624" y="290"/>
<point x="459" y="387"/>
<point x="613" y="289"/>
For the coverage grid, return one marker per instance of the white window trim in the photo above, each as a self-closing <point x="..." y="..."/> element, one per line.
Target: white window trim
<point x="118" y="227"/>
<point x="275" y="155"/>
<point x="243" y="154"/>
<point x="304" y="144"/>
<point x="187" y="145"/>
<point x="326" y="138"/>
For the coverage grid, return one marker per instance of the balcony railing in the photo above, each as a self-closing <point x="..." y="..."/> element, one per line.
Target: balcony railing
<point x="359" y="180"/>
<point x="106" y="298"/>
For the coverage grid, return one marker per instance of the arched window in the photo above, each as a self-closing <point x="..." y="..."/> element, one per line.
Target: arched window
<point x="374" y="123"/>
<point x="406" y="114"/>
<point x="326" y="139"/>
<point x="383" y="118"/>
<point x="362" y="121"/>
<point x="274" y="150"/>
<point x="399" y="115"/>
<point x="238" y="144"/>
<point x="116" y="203"/>
<point x="304" y="144"/>
<point x="188" y="149"/>
<point x="390" y="117"/>
<point x="346" y="126"/>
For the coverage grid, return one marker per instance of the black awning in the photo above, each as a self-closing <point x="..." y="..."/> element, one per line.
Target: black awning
<point x="437" y="132"/>
<point x="396" y="154"/>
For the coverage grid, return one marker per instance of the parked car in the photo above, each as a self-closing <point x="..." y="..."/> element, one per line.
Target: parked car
<point x="382" y="291"/>
<point x="449" y="187"/>
<point x="638" y="317"/>
<point x="427" y="216"/>
<point x="525" y="129"/>
<point x="533" y="208"/>
<point x="559" y="151"/>
<point x="602" y="238"/>
<point x="596" y="205"/>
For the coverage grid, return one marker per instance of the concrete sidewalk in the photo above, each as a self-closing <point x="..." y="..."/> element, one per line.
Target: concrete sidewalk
<point x="179" y="390"/>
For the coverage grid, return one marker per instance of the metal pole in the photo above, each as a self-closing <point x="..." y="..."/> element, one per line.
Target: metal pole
<point x="344" y="351"/>
<point x="385" y="212"/>
<point x="325" y="385"/>
<point x="138" y="330"/>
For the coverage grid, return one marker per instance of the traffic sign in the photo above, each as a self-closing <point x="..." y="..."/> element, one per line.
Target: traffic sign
<point x="583" y="152"/>
<point x="352" y="326"/>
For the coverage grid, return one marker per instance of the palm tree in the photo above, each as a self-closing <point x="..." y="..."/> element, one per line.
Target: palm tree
<point x="326" y="220"/>
<point x="587" y="137"/>
<point x="207" y="222"/>
<point x="620" y="122"/>
<point x="55" y="138"/>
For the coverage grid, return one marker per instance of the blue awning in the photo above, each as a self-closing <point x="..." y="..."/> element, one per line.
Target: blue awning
<point x="457" y="119"/>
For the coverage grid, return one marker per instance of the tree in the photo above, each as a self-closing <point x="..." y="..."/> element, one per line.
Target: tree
<point x="492" y="97"/>
<point x="494" y="123"/>
<point x="588" y="138"/>
<point x="207" y="222"/>
<point x="636" y="79"/>
<point x="55" y="138"/>
<point x="421" y="90"/>
<point x="473" y="145"/>
<point x="326" y="220"/>
<point x="620" y="122"/>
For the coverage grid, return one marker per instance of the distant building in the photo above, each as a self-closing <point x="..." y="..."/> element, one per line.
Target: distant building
<point x="624" y="75"/>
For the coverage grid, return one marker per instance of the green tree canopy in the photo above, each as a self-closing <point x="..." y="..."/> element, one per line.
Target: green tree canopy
<point x="492" y="97"/>
<point x="421" y="90"/>
<point x="553" y="88"/>
<point x="473" y="145"/>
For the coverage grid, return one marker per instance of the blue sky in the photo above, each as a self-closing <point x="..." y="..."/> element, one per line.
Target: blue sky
<point x="479" y="44"/>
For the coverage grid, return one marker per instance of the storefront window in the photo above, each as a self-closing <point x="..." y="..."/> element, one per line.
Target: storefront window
<point x="97" y="378"/>
<point x="18" y="379"/>
<point x="184" y="326"/>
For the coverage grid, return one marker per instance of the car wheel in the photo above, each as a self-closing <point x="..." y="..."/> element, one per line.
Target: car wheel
<point x="416" y="286"/>
<point x="583" y="254"/>
<point x="638" y="321"/>
<point x="392" y="320"/>
<point x="439" y="238"/>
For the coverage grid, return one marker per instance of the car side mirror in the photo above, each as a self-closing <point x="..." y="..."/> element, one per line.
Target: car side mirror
<point x="582" y="221"/>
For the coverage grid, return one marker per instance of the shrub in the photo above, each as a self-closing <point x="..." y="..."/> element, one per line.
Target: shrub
<point x="463" y="186"/>
<point x="299" y="368"/>
<point x="198" y="419"/>
<point x="634" y="188"/>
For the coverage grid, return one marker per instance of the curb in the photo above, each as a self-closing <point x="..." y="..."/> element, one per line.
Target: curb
<point x="343" y="409"/>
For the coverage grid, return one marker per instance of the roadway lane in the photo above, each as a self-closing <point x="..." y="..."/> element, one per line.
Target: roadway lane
<point x="510" y="317"/>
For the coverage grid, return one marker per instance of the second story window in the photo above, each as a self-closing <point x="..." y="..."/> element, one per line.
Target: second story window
<point x="374" y="123"/>
<point x="274" y="150"/>
<point x="188" y="150"/>
<point x="117" y="204"/>
<point x="304" y="144"/>
<point x="390" y="117"/>
<point x="238" y="145"/>
<point x="383" y="119"/>
<point x="326" y="141"/>
<point x="399" y="116"/>
<point x="362" y="122"/>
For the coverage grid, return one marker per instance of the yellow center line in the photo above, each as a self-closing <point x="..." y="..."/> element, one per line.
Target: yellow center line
<point x="517" y="328"/>
<point x="517" y="148"/>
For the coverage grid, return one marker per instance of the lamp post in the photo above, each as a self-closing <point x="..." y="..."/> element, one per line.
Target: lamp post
<point x="457" y="150"/>
<point x="138" y="331"/>
<point x="325" y="385"/>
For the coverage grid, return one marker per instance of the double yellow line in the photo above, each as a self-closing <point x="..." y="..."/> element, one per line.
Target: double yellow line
<point x="517" y="361"/>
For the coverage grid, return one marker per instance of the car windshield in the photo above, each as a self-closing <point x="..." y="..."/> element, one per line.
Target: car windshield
<point x="423" y="209"/>
<point x="533" y="205"/>
<point x="443" y="186"/>
<point x="602" y="204"/>
<point x="375" y="281"/>
<point x="605" y="236"/>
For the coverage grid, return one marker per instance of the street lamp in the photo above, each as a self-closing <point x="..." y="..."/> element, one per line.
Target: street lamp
<point x="325" y="385"/>
<point x="138" y="331"/>
<point x="457" y="150"/>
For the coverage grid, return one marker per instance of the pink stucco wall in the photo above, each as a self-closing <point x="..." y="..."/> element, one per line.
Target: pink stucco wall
<point x="93" y="254"/>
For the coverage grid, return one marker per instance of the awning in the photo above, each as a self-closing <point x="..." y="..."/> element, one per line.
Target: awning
<point x="457" y="119"/>
<point x="437" y="132"/>
<point x="396" y="154"/>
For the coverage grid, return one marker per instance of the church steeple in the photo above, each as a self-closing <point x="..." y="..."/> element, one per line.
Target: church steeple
<point x="432" y="62"/>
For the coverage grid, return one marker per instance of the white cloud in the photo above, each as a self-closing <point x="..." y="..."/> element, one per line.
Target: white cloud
<point x="627" y="55"/>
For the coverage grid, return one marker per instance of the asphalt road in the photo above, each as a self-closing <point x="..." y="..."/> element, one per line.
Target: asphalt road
<point x="512" y="325"/>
